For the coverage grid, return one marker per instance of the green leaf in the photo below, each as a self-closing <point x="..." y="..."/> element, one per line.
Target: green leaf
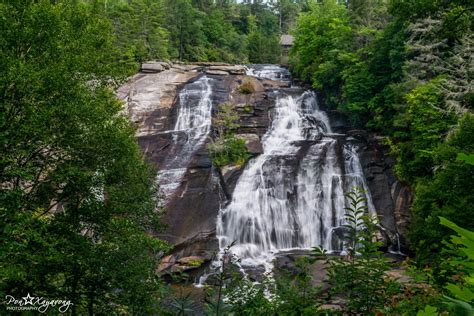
<point x="428" y="311"/>
<point x="460" y="293"/>
<point x="469" y="159"/>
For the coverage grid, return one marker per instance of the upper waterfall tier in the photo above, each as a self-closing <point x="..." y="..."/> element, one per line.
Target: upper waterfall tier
<point x="272" y="72"/>
<point x="194" y="124"/>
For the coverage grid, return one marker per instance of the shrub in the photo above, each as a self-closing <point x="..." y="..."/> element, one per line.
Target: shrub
<point x="295" y="293"/>
<point x="246" y="87"/>
<point x="360" y="275"/>
<point x="228" y="149"/>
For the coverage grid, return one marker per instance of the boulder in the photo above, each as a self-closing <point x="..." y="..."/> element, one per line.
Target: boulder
<point x="181" y="268"/>
<point x="288" y="261"/>
<point x="233" y="70"/>
<point x="400" y="275"/>
<point x="165" y="65"/>
<point x="191" y="261"/>
<point x="179" y="67"/>
<point x="152" y="67"/>
<point x="149" y="99"/>
<point x="211" y="63"/>
<point x="230" y="176"/>
<point x="217" y="72"/>
<point x="252" y="143"/>
<point x="332" y="307"/>
<point x="267" y="83"/>
<point x="166" y="263"/>
<point x="228" y="171"/>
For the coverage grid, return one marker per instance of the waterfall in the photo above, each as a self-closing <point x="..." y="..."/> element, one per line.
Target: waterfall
<point x="272" y="72"/>
<point x="192" y="126"/>
<point x="292" y="195"/>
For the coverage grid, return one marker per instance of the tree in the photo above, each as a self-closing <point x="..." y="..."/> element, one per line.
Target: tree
<point x="322" y="39"/>
<point x="462" y="294"/>
<point x="184" y="24"/>
<point x="447" y="193"/>
<point x="263" y="40"/>
<point x="287" y="11"/>
<point x="76" y="198"/>
<point x="138" y="26"/>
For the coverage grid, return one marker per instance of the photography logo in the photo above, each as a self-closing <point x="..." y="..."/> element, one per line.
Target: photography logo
<point x="35" y="303"/>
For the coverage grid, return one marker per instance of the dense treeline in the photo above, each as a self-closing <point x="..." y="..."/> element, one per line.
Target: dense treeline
<point x="403" y="69"/>
<point x="201" y="30"/>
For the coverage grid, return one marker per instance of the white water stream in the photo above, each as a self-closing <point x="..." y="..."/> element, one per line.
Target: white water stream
<point x="194" y="121"/>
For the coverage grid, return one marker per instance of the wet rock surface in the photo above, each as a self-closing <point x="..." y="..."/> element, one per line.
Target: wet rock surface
<point x="391" y="198"/>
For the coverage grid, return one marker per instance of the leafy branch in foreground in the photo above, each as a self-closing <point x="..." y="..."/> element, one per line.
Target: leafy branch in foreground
<point x="461" y="294"/>
<point x="359" y="276"/>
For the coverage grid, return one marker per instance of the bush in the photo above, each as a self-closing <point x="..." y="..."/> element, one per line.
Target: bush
<point x="295" y="293"/>
<point x="360" y="276"/>
<point x="246" y="87"/>
<point x="228" y="149"/>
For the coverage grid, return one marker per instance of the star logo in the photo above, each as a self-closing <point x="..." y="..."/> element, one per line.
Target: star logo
<point x="28" y="299"/>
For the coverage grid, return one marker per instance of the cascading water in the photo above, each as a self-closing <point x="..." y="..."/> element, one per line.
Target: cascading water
<point x="189" y="134"/>
<point x="272" y="72"/>
<point x="292" y="195"/>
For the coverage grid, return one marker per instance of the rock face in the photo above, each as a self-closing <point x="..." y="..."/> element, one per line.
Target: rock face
<point x="150" y="99"/>
<point x="154" y="99"/>
<point x="391" y="198"/>
<point x="252" y="143"/>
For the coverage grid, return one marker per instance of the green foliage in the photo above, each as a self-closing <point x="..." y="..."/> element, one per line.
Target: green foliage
<point x="76" y="197"/>
<point x="225" y="120"/>
<point x="415" y="294"/>
<point x="216" y="304"/>
<point x="426" y="128"/>
<point x="190" y="30"/>
<point x="469" y="159"/>
<point x="360" y="275"/>
<point x="400" y="68"/>
<point x="461" y="294"/>
<point x="248" y="298"/>
<point x="184" y="24"/>
<point x="263" y="48"/>
<point x="295" y="293"/>
<point x="138" y="26"/>
<point x="428" y="311"/>
<point x="448" y="193"/>
<point x="179" y="301"/>
<point x="283" y="294"/>
<point x="321" y="37"/>
<point x="246" y="87"/>
<point x="228" y="150"/>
